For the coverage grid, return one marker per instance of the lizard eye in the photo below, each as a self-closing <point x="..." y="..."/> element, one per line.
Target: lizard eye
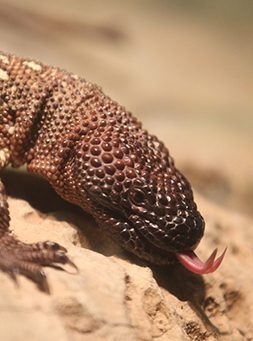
<point x="137" y="196"/>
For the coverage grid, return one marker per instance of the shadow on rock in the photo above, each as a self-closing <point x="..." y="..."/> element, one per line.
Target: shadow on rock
<point x="33" y="189"/>
<point x="42" y="197"/>
<point x="186" y="286"/>
<point x="183" y="284"/>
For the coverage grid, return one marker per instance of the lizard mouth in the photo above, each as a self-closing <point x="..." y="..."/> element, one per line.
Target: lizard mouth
<point x="159" y="255"/>
<point x="188" y="258"/>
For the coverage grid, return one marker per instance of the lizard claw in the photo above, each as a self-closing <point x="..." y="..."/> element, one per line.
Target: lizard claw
<point x="73" y="265"/>
<point x="17" y="258"/>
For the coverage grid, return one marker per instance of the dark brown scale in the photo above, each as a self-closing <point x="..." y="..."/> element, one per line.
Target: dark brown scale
<point x="130" y="173"/>
<point x="95" y="151"/>
<point x="120" y="176"/>
<point x="120" y="165"/>
<point x="107" y="147"/>
<point x="109" y="180"/>
<point x="107" y="158"/>
<point x="100" y="173"/>
<point x="118" y="154"/>
<point x="95" y="162"/>
<point x="110" y="169"/>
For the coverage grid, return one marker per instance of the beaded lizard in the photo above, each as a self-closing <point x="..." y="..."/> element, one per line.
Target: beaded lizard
<point x="96" y="155"/>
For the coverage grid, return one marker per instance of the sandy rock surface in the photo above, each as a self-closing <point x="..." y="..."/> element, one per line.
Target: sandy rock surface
<point x="115" y="296"/>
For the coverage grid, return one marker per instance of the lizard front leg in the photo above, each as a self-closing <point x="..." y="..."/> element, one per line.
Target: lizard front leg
<point x="20" y="111"/>
<point x="17" y="257"/>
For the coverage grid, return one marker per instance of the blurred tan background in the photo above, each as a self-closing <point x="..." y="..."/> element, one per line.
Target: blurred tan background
<point x="183" y="67"/>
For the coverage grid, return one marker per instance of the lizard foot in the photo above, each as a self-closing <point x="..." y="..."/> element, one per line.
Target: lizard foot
<point x="17" y="257"/>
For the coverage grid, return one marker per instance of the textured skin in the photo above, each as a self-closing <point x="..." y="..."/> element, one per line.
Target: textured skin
<point x="96" y="155"/>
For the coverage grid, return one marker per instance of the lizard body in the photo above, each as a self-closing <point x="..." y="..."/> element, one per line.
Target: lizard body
<point x="96" y="155"/>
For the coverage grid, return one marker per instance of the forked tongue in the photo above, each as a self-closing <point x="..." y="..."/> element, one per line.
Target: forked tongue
<point x="192" y="262"/>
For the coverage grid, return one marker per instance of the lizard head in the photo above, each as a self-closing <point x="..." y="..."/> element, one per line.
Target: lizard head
<point x="166" y="215"/>
<point x="137" y="194"/>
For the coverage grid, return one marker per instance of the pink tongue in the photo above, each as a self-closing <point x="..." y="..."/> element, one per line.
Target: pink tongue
<point x="191" y="262"/>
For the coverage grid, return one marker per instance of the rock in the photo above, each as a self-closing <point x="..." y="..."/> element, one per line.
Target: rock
<point x="115" y="296"/>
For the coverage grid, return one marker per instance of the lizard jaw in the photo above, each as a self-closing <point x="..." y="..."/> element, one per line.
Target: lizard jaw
<point x="192" y="262"/>
<point x="187" y="258"/>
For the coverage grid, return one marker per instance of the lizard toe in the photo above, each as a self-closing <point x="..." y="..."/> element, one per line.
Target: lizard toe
<point x="28" y="260"/>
